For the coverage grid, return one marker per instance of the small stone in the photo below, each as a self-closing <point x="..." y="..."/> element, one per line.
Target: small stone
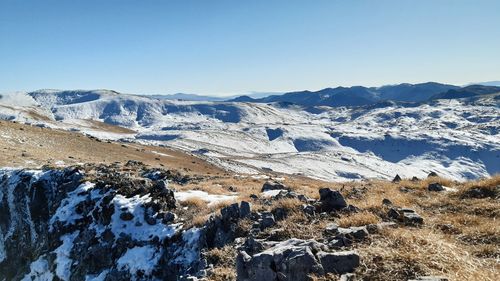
<point x="435" y="186"/>
<point x="386" y="202"/>
<point x="432" y="174"/>
<point x="273" y="185"/>
<point x="245" y="209"/>
<point x="331" y="229"/>
<point x="348" y="277"/>
<point x="339" y="262"/>
<point x="267" y="220"/>
<point x="396" y="179"/>
<point x="126" y="216"/>
<point x="308" y="210"/>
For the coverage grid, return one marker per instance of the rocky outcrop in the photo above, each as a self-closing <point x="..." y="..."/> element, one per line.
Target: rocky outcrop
<point x="293" y="260"/>
<point x="93" y="222"/>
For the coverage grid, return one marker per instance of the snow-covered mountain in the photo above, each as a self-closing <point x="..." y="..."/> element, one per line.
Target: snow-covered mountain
<point x="457" y="138"/>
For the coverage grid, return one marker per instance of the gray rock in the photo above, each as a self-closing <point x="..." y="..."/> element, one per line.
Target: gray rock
<point x="245" y="209"/>
<point x="386" y="202"/>
<point x="309" y="210"/>
<point x="291" y="260"/>
<point x="406" y="216"/>
<point x="273" y="185"/>
<point x="279" y="214"/>
<point x="432" y="174"/>
<point x="354" y="233"/>
<point x="435" y="186"/>
<point x="231" y="212"/>
<point x="332" y="229"/>
<point x="339" y="262"/>
<point x="267" y="220"/>
<point x="396" y="179"/>
<point x="331" y="200"/>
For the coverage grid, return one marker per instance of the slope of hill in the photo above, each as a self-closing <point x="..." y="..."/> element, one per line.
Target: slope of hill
<point x="457" y="138"/>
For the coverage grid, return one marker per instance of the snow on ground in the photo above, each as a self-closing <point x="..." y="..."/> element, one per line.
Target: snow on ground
<point x="137" y="259"/>
<point x="134" y="227"/>
<point x="66" y="213"/>
<point x="39" y="271"/>
<point x="63" y="260"/>
<point x="211" y="199"/>
<point x="455" y="138"/>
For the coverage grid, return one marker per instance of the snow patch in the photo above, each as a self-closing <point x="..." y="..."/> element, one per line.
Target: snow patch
<point x="139" y="259"/>
<point x="137" y="228"/>
<point x="211" y="199"/>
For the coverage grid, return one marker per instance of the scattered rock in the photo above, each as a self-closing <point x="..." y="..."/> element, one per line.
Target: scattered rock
<point x="414" y="179"/>
<point x="339" y="262"/>
<point x="432" y="174"/>
<point x="331" y="200"/>
<point x="267" y="220"/>
<point x="435" y="186"/>
<point x="291" y="260"/>
<point x="309" y="210"/>
<point x="406" y="216"/>
<point x="245" y="209"/>
<point x="273" y="185"/>
<point x="396" y="179"/>
<point x="386" y="202"/>
<point x="331" y="229"/>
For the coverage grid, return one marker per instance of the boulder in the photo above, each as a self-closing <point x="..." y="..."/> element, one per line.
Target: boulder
<point x="231" y="212"/>
<point x="267" y="220"/>
<point x="291" y="260"/>
<point x="339" y="262"/>
<point x="331" y="200"/>
<point x="331" y="229"/>
<point x="273" y="185"/>
<point x="406" y="216"/>
<point x="245" y="209"/>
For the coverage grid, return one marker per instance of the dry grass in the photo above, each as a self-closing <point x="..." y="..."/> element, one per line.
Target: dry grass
<point x="400" y="254"/>
<point x="358" y="219"/>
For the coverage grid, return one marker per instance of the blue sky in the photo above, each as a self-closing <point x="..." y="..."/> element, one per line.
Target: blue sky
<point x="232" y="47"/>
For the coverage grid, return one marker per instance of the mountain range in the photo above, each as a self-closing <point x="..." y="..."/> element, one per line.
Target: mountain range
<point x="359" y="95"/>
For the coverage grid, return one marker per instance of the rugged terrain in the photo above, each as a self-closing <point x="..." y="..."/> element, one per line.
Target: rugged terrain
<point x="131" y="221"/>
<point x="456" y="137"/>
<point x="97" y="185"/>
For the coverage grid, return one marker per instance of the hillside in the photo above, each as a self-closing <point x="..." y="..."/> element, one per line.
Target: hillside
<point x="130" y="221"/>
<point x="457" y="138"/>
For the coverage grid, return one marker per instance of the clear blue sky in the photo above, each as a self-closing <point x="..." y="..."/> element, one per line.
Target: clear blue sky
<point x="229" y="47"/>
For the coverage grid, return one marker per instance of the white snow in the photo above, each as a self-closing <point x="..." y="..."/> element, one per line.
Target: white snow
<point x="211" y="199"/>
<point x="39" y="271"/>
<point x="190" y="252"/>
<point x="137" y="259"/>
<point x="271" y="193"/>
<point x="458" y="139"/>
<point x="137" y="228"/>
<point x="63" y="261"/>
<point x="66" y="212"/>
